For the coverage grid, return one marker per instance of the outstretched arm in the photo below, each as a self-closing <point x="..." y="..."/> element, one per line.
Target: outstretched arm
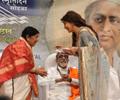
<point x="39" y="71"/>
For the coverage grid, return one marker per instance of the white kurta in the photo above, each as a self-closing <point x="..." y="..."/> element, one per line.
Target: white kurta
<point x="55" y="91"/>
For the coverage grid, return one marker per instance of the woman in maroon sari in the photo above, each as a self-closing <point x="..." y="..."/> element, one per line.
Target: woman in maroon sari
<point x="17" y="69"/>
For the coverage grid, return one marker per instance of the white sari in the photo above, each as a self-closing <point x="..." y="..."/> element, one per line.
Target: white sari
<point x="114" y="79"/>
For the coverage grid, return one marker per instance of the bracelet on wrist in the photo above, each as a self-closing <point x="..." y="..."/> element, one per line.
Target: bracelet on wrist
<point x="69" y="79"/>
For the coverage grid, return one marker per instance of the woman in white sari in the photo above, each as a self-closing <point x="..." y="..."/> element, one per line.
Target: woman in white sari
<point x="104" y="17"/>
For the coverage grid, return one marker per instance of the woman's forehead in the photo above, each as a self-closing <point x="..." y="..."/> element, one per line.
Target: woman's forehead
<point x="112" y="9"/>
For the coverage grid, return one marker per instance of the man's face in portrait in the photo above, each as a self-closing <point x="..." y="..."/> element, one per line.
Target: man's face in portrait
<point x="105" y="20"/>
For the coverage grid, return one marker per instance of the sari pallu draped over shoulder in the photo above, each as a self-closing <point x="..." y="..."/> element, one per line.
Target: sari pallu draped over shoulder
<point x="17" y="59"/>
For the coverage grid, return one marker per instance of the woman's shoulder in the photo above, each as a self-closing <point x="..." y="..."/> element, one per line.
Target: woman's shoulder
<point x="84" y="29"/>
